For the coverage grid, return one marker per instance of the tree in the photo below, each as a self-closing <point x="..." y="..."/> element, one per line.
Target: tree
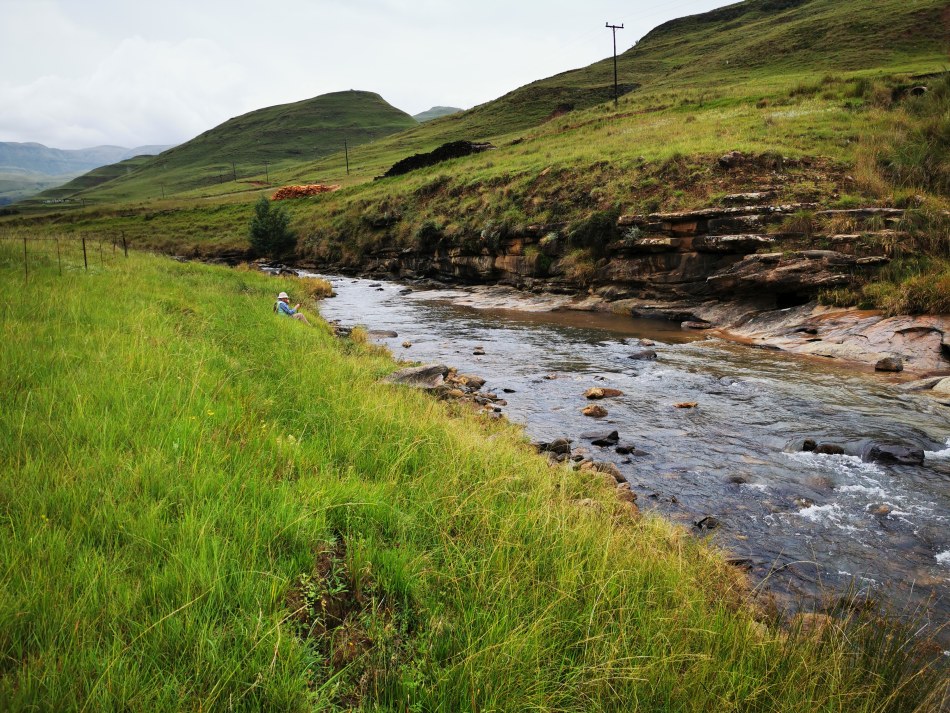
<point x="270" y="232"/>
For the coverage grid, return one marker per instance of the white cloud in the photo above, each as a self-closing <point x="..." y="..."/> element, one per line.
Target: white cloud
<point x="142" y="92"/>
<point x="84" y="72"/>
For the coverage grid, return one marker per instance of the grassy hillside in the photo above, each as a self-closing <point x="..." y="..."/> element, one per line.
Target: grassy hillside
<point x="206" y="507"/>
<point x="247" y="152"/>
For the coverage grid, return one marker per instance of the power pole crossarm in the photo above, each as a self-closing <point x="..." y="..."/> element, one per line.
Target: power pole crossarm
<point x="614" y="29"/>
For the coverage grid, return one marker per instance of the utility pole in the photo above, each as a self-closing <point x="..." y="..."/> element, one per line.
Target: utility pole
<point x="614" y="28"/>
<point x="346" y="154"/>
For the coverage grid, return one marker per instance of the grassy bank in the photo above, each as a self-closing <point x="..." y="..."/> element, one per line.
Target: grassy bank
<point x="205" y="507"/>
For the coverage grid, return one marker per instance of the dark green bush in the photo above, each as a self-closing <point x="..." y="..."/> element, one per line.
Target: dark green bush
<point x="270" y="232"/>
<point x="595" y="232"/>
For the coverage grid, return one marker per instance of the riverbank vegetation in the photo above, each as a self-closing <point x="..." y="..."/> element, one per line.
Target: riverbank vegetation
<point x="207" y="507"/>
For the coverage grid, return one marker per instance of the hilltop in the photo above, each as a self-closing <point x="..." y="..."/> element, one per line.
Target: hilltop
<point x="246" y="152"/>
<point x="436" y="112"/>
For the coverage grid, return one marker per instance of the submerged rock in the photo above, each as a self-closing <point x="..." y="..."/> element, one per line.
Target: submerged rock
<point x="893" y="455"/>
<point x="602" y="438"/>
<point x="430" y="376"/>
<point x="644" y="355"/>
<point x="595" y="411"/>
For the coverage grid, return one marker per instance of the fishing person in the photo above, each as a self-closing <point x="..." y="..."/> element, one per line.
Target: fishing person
<point x="282" y="306"/>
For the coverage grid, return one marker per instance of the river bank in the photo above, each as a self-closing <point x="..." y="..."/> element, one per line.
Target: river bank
<point x="204" y="503"/>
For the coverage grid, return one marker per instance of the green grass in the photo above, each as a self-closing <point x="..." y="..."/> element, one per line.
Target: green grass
<point x="203" y="505"/>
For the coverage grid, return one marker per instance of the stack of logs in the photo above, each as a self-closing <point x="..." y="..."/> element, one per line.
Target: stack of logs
<point x="312" y="189"/>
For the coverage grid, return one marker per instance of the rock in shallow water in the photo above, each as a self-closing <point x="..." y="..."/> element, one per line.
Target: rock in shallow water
<point x="644" y="355"/>
<point x="893" y="455"/>
<point x="893" y="364"/>
<point x="602" y="438"/>
<point x="595" y="412"/>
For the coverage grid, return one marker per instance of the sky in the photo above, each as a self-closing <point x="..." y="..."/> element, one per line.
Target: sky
<point x="81" y="73"/>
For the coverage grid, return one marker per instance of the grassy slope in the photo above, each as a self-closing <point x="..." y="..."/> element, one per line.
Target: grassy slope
<point x="175" y="458"/>
<point x="281" y="135"/>
<point x="710" y="83"/>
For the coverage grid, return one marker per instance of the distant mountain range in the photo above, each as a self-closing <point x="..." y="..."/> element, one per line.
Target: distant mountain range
<point x="45" y="161"/>
<point x="29" y="168"/>
<point x="436" y="112"/>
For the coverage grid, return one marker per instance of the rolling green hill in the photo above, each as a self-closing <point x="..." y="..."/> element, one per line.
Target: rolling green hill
<point x="244" y="152"/>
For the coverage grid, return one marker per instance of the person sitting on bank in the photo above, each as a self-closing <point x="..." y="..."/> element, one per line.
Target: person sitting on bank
<point x="282" y="306"/>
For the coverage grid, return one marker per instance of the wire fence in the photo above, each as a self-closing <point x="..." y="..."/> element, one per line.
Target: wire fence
<point x="64" y="253"/>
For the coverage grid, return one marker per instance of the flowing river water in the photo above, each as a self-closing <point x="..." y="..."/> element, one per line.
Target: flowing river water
<point x="808" y="525"/>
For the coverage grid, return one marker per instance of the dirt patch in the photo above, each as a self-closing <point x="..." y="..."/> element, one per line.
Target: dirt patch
<point x="356" y="630"/>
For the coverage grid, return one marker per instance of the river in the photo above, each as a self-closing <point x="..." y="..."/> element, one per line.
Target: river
<point x="807" y="525"/>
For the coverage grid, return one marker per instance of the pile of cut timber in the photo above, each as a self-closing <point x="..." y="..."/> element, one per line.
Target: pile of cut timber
<point x="312" y="189"/>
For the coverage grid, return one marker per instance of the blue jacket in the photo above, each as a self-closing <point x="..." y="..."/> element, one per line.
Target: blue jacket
<point x="284" y="308"/>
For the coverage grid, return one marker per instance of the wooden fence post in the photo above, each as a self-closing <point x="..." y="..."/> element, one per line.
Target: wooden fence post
<point x="26" y="268"/>
<point x="59" y="258"/>
<point x="85" y="260"/>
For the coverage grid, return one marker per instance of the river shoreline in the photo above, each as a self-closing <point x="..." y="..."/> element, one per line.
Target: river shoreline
<point x="859" y="339"/>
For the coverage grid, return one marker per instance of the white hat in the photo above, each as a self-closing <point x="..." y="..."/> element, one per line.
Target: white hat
<point x="283" y="296"/>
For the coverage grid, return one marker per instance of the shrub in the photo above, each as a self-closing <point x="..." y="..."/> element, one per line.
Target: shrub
<point x="595" y="232"/>
<point x="427" y="236"/>
<point x="270" y="233"/>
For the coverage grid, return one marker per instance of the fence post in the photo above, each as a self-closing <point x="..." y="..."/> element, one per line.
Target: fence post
<point x="85" y="260"/>
<point x="125" y="245"/>
<point x="26" y="268"/>
<point x="101" y="261"/>
<point x="59" y="258"/>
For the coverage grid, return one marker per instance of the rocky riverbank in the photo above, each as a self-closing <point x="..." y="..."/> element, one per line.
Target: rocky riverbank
<point x="750" y="269"/>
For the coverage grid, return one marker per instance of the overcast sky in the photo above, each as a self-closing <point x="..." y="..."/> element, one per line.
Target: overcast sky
<point x="79" y="73"/>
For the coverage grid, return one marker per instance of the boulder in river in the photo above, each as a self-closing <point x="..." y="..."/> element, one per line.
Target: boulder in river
<point x="644" y="355"/>
<point x="595" y="411"/>
<point x="892" y="455"/>
<point x="429" y="376"/>
<point x="893" y="364"/>
<point x="602" y="438"/>
<point x="601" y="393"/>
